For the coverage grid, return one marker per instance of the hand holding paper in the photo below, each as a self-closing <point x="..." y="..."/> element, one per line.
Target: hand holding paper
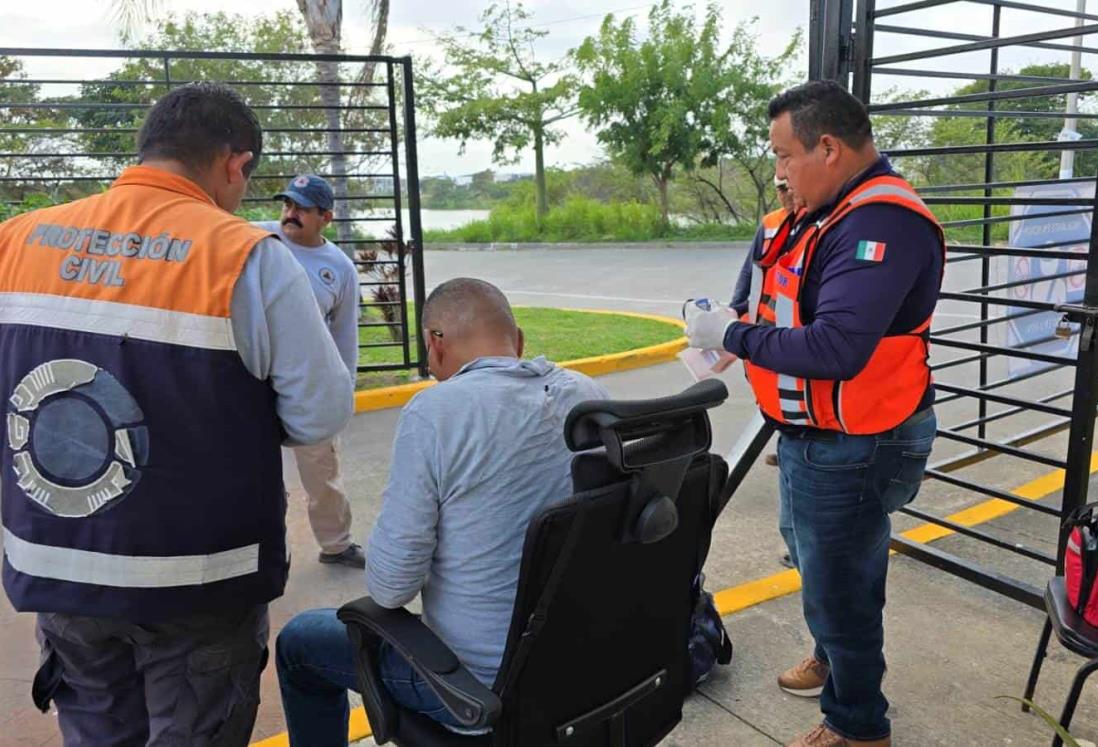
<point x="706" y="329"/>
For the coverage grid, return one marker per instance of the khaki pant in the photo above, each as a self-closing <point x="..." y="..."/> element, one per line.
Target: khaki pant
<point x="329" y="509"/>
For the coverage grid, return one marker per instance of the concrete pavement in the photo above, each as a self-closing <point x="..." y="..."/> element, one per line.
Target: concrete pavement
<point x="952" y="647"/>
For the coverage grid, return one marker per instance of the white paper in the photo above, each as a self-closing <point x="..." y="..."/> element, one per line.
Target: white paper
<point x="700" y="362"/>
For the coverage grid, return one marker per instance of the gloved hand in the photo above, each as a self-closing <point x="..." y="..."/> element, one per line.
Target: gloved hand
<point x="706" y="329"/>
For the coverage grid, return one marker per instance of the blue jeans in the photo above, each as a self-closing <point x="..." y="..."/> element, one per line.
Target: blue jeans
<point x="837" y="492"/>
<point x="316" y="668"/>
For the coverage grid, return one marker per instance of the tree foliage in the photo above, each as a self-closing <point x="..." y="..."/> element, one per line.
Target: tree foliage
<point x="281" y="92"/>
<point x="499" y="90"/>
<point x="679" y="100"/>
<point x="1038" y="128"/>
<point x="913" y="132"/>
<point x="27" y="133"/>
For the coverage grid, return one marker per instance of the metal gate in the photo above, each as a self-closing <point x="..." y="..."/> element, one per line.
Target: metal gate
<point x="68" y="120"/>
<point x="975" y="140"/>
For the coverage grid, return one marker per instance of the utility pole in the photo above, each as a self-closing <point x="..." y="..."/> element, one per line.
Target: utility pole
<point x="1070" y="131"/>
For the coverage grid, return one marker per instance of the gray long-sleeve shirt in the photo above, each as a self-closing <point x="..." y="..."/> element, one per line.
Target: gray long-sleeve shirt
<point x="334" y="279"/>
<point x="475" y="459"/>
<point x="282" y="339"/>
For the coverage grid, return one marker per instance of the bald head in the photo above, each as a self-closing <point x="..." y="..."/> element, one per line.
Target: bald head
<point x="468" y="308"/>
<point x="465" y="319"/>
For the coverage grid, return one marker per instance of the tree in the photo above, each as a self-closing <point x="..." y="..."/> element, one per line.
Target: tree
<point x="677" y="100"/>
<point x="290" y="128"/>
<point x="972" y="130"/>
<point x="499" y="91"/>
<point x="324" y="19"/>
<point x="1040" y="129"/>
<point x="131" y="15"/>
<point x="26" y="132"/>
<point x="738" y="138"/>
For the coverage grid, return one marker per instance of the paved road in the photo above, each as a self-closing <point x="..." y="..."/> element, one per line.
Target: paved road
<point x="613" y="276"/>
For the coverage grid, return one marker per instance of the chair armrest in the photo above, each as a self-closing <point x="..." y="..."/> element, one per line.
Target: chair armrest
<point x="473" y="704"/>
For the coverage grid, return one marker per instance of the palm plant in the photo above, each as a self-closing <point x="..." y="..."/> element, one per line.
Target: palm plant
<point x="324" y="19"/>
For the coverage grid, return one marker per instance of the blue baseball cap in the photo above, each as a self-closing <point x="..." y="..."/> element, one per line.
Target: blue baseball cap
<point x="308" y="191"/>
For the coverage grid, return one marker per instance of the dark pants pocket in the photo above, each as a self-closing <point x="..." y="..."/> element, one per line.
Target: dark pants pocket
<point x="47" y="679"/>
<point x="904" y="485"/>
<point x="236" y="730"/>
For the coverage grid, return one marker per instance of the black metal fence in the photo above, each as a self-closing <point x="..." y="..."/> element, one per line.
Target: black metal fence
<point x="68" y="120"/>
<point x="1022" y="248"/>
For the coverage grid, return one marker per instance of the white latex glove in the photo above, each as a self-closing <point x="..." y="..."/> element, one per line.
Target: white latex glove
<point x="706" y="329"/>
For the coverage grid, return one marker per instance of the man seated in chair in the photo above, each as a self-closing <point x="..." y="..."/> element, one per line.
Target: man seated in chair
<point x="475" y="459"/>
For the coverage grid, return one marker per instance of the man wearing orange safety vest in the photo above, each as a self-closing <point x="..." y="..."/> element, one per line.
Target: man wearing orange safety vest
<point x="155" y="353"/>
<point x="760" y="248"/>
<point x="741" y="295"/>
<point x="842" y="371"/>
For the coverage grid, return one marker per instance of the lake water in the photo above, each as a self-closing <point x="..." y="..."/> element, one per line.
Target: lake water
<point x="441" y="219"/>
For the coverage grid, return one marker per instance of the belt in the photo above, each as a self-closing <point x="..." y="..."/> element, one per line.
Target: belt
<point x="818" y="434"/>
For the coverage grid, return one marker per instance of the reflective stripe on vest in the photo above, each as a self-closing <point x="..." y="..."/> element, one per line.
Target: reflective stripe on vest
<point x="772" y="223"/>
<point x="128" y="571"/>
<point x="777" y="227"/>
<point x="120" y="319"/>
<point x="894" y="380"/>
<point x="141" y="462"/>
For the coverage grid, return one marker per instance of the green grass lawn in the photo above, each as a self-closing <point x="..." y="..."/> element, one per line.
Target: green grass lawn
<point x="582" y="219"/>
<point x="556" y="334"/>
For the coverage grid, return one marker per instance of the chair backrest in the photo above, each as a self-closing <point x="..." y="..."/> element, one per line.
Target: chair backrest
<point x="597" y="650"/>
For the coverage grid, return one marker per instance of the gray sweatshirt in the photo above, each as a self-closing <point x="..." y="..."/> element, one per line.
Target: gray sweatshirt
<point x="475" y="459"/>
<point x="281" y="339"/>
<point x="334" y="280"/>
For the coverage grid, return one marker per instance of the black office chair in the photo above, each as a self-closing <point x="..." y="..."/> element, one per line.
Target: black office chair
<point x="1076" y="635"/>
<point x="597" y="649"/>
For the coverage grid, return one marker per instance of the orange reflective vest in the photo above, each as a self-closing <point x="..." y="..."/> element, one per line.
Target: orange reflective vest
<point x="141" y="460"/>
<point x="891" y="385"/>
<point x="773" y="224"/>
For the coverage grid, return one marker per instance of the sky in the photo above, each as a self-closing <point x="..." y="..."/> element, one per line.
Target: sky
<point x="88" y="24"/>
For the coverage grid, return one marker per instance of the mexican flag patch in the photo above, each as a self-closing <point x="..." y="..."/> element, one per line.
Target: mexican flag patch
<point x="870" y="251"/>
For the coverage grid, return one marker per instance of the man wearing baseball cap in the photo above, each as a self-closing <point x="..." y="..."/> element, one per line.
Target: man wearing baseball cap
<point x="306" y="211"/>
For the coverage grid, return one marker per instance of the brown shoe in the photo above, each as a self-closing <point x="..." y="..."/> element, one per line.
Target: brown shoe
<point x="771" y="460"/>
<point x="821" y="736"/>
<point x="805" y="680"/>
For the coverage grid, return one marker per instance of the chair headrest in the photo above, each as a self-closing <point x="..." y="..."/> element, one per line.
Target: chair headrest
<point x="653" y="441"/>
<point x="612" y="423"/>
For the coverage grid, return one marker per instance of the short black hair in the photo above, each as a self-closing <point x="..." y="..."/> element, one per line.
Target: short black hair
<point x="196" y="123"/>
<point x="823" y="107"/>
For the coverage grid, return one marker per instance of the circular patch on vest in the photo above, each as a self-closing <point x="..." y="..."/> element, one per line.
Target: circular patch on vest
<point x="71" y="440"/>
<point x="327" y="275"/>
<point x="76" y="437"/>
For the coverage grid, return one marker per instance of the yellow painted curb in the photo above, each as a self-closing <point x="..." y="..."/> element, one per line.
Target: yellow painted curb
<point x="384" y="398"/>
<point x="738" y="598"/>
<point x="357" y="728"/>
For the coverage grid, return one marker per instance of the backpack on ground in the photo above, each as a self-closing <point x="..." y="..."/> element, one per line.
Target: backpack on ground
<point x="709" y="641"/>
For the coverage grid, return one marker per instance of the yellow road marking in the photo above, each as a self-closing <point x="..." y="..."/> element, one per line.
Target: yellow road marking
<point x="737" y="598"/>
<point x="357" y="728"/>
<point x="783" y="583"/>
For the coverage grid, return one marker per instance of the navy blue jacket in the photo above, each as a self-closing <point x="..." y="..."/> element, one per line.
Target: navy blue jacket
<point x="849" y="304"/>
